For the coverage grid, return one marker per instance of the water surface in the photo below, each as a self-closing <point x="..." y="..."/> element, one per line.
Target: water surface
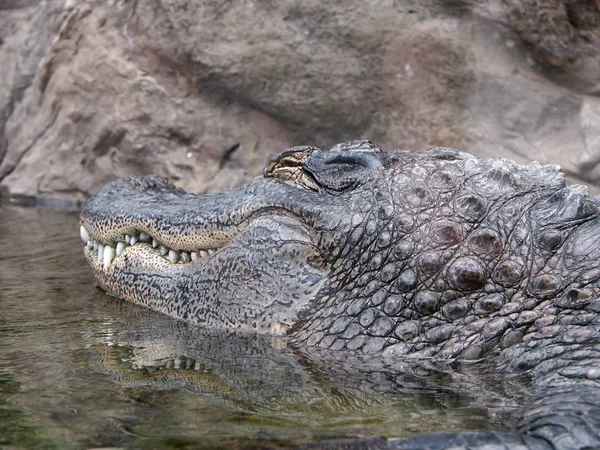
<point x="80" y="369"/>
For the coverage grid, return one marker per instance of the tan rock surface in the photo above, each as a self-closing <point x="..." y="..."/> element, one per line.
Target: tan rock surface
<point x="204" y="92"/>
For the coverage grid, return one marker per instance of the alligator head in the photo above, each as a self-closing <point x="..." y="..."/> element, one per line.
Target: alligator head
<point x="253" y="258"/>
<point x="355" y="248"/>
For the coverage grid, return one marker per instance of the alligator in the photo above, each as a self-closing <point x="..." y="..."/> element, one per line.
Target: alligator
<point x="395" y="255"/>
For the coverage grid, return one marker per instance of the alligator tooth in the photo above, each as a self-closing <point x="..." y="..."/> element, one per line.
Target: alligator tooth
<point x="100" y="252"/>
<point x="211" y="251"/>
<point x="120" y="248"/>
<point x="133" y="239"/>
<point x="85" y="236"/>
<point x="109" y="255"/>
<point x="163" y="250"/>
<point x="194" y="256"/>
<point x="95" y="245"/>
<point x="127" y="239"/>
<point x="154" y="243"/>
<point x="177" y="362"/>
<point x="203" y="254"/>
<point x="144" y="237"/>
<point x="173" y="256"/>
<point x="185" y="257"/>
<point x="89" y="244"/>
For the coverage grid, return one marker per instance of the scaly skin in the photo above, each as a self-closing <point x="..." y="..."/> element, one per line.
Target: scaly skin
<point x="431" y="255"/>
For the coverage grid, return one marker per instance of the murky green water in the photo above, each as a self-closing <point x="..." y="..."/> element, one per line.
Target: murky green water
<point x="79" y="369"/>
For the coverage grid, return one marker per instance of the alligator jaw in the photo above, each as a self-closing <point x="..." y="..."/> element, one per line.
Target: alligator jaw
<point x="106" y="253"/>
<point x="241" y="260"/>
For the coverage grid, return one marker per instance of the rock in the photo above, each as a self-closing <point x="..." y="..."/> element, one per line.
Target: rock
<point x="204" y="92"/>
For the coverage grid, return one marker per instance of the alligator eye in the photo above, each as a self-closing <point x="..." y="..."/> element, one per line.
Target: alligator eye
<point x="341" y="171"/>
<point x="287" y="166"/>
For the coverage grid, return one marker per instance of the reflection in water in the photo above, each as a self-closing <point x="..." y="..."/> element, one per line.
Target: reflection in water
<point x="96" y="371"/>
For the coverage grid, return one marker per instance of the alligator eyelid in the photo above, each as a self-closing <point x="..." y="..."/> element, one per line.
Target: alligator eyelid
<point x="365" y="159"/>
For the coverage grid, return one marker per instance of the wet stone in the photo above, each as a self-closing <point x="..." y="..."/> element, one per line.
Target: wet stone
<point x="381" y="327"/>
<point x="427" y="302"/>
<point x="406" y="281"/>
<point x="406" y="331"/>
<point x="393" y="305"/>
<point x="467" y="274"/>
<point x="485" y="241"/>
<point x="368" y="317"/>
<point x="456" y="309"/>
<point x="508" y="273"/>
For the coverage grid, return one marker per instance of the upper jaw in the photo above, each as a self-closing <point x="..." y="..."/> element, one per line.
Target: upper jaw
<point x="180" y="227"/>
<point x="106" y="253"/>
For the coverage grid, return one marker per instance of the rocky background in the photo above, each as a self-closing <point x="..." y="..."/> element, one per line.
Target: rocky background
<point x="203" y="92"/>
